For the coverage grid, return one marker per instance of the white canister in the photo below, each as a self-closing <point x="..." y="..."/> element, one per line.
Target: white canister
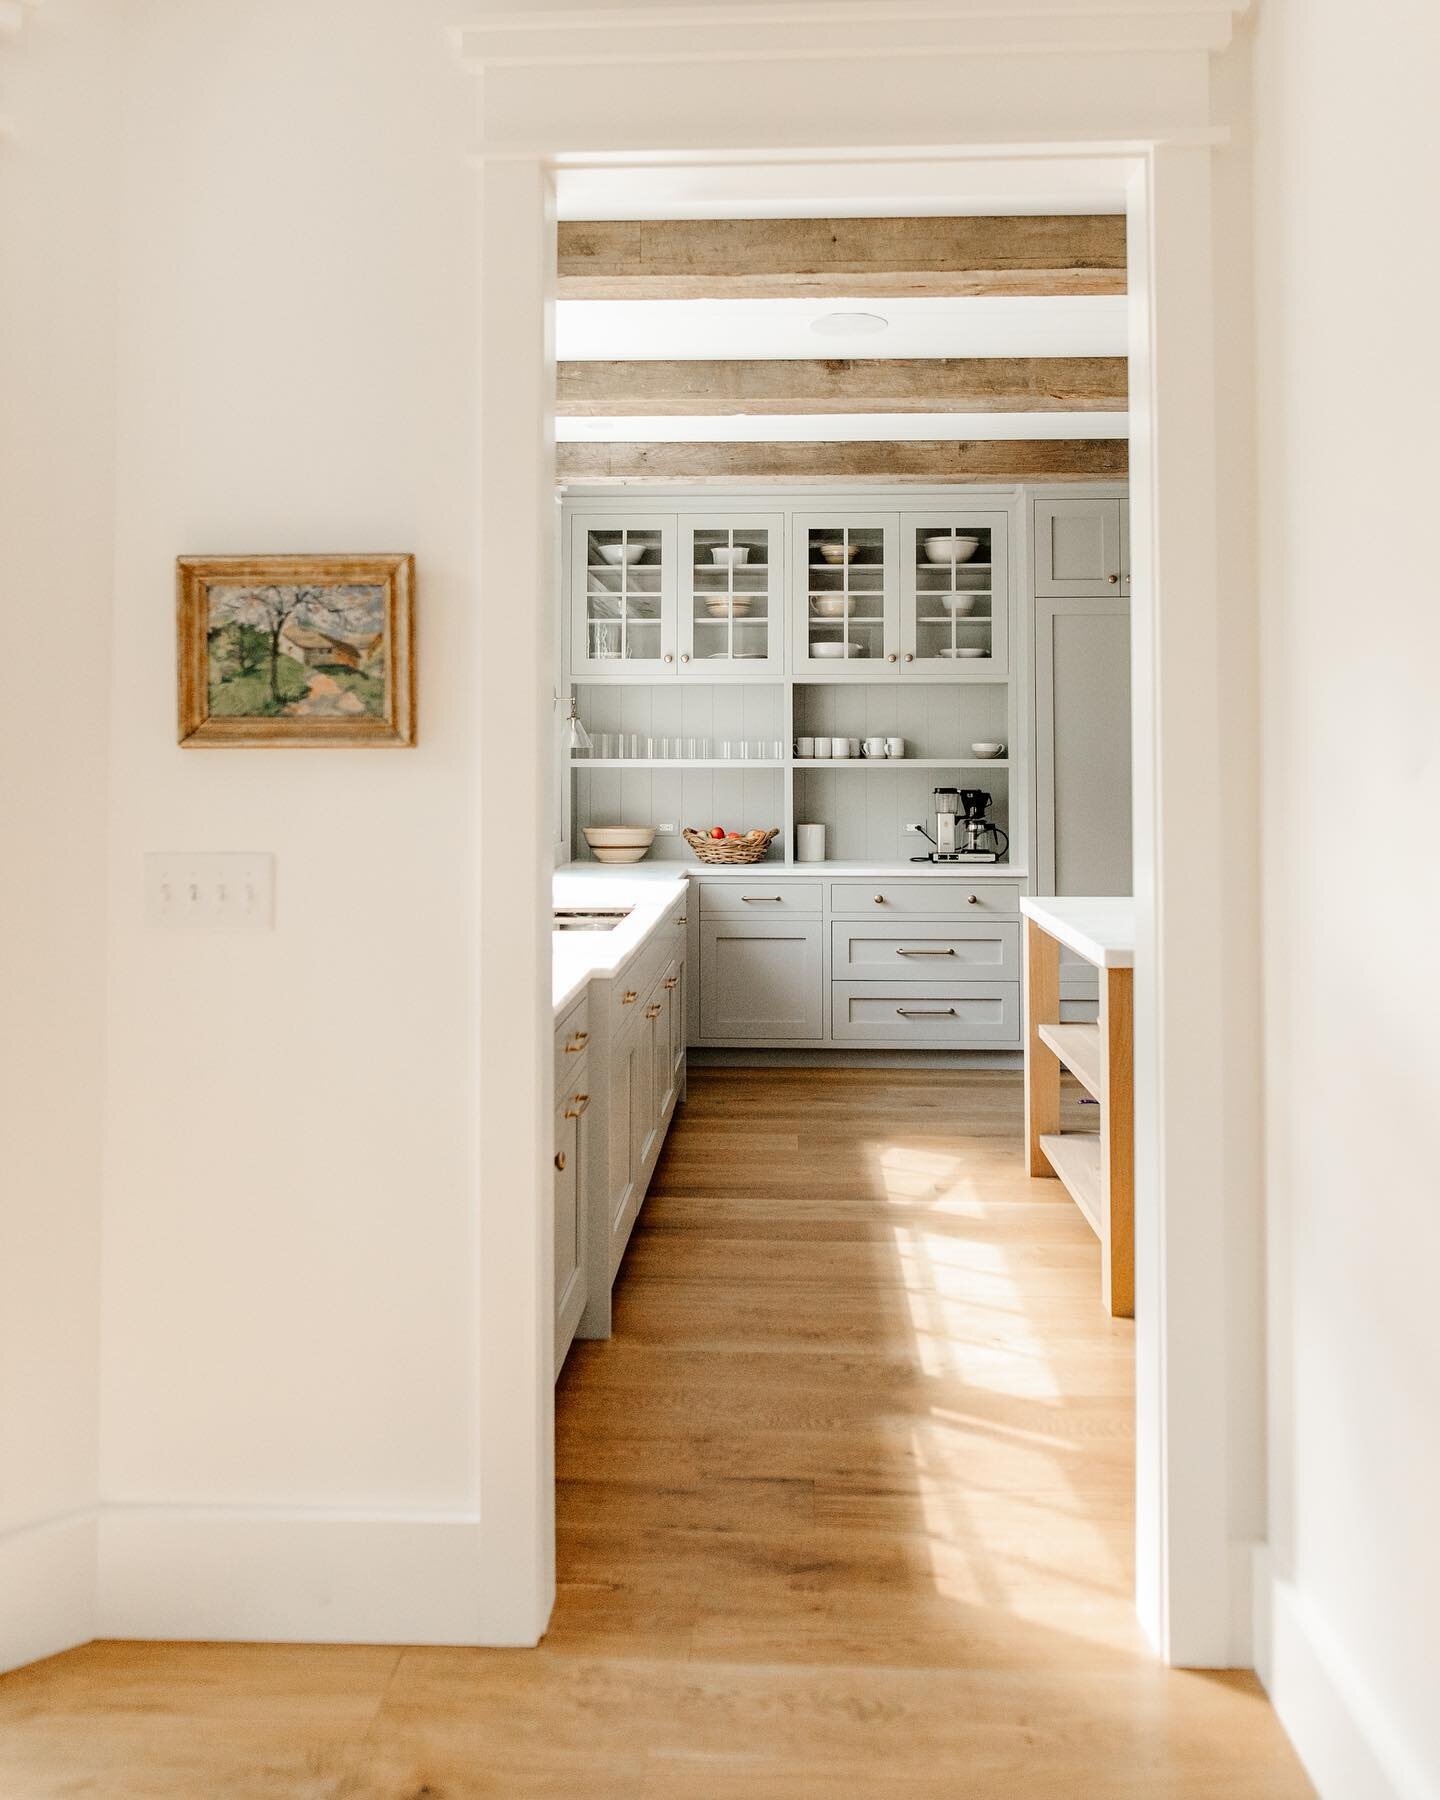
<point x="839" y="746"/>
<point x="894" y="746"/>
<point x="822" y="747"/>
<point x="809" y="843"/>
<point x="804" y="746"/>
<point x="874" y="746"/>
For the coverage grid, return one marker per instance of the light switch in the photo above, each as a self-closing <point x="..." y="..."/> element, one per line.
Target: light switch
<point x="231" y="890"/>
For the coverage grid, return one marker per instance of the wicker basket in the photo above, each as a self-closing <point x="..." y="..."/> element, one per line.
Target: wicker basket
<point x="749" y="849"/>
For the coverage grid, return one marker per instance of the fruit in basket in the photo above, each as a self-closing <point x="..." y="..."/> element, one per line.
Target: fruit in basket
<point x="734" y="834"/>
<point x="718" y="832"/>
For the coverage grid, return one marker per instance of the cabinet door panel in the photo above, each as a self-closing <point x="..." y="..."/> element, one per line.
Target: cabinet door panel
<point x="845" y="595"/>
<point x="730" y="600"/>
<point x="571" y="1143"/>
<point x="955" y="1015"/>
<point x="955" y="595"/>
<point x="1082" y="746"/>
<point x="622" y="594"/>
<point x="620" y="1135"/>
<point x="760" y="981"/>
<point x="1077" y="548"/>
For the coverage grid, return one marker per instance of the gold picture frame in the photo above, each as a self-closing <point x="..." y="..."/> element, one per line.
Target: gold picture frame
<point x="280" y="652"/>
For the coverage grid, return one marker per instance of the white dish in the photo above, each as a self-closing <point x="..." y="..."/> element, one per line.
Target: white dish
<point x="958" y="603"/>
<point x="738" y="656"/>
<point x="951" y="549"/>
<point x="621" y="856"/>
<point x="620" y="837"/>
<point x="728" y="556"/>
<point x="987" y="749"/>
<point x="621" y="553"/>
<point x="965" y="650"/>
<point x="835" y="652"/>
<point x="722" y="609"/>
<point x="839" y="553"/>
<point x="829" y="606"/>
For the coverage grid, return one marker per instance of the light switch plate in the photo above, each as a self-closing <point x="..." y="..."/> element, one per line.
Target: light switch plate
<point x="229" y="890"/>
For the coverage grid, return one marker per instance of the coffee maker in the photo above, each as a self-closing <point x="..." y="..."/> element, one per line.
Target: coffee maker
<point x="963" y="832"/>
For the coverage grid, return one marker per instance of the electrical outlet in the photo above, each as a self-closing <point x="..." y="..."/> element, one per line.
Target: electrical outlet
<point x="209" y="890"/>
<point x="665" y="830"/>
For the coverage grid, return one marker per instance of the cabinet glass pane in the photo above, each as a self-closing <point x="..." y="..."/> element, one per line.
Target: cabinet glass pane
<point x="954" y="593"/>
<point x="731" y="593"/>
<point x="622" y="594"/>
<point x="845" y="599"/>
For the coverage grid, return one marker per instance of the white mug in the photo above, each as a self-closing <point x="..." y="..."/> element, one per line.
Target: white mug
<point x="894" y="746"/>
<point x="839" y="746"/>
<point x="804" y="746"/>
<point x="854" y="744"/>
<point x="822" y="747"/>
<point x="875" y="746"/>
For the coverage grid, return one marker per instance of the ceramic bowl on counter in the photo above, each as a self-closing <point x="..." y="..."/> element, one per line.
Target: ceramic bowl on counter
<point x="951" y="549"/>
<point x="619" y="843"/>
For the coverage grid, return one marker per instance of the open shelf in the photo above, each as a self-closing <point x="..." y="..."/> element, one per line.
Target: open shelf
<point x="1075" y="1158"/>
<point x="1078" y="1047"/>
<point x="677" y="762"/>
<point x="901" y="762"/>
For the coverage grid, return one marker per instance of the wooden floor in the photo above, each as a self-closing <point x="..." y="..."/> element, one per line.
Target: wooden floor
<point x="844" y="1510"/>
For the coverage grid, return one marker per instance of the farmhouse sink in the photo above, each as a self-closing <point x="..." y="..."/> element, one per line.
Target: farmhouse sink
<point x="589" y="918"/>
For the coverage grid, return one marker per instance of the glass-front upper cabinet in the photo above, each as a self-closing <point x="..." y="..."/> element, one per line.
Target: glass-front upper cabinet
<point x="730" y="602"/>
<point x="845" y="595"/>
<point x="955" y="615"/>
<point x="623" y="594"/>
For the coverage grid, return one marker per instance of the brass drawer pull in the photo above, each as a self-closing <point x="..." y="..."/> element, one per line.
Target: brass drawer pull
<point x="670" y="983"/>
<point x="630" y="996"/>
<point x="684" y="919"/>
<point x="915" y="1012"/>
<point x="578" y="1042"/>
<point x="948" y="952"/>
<point x="653" y="1012"/>
<point x="580" y="1102"/>
<point x="560" y="1156"/>
<point x="768" y="899"/>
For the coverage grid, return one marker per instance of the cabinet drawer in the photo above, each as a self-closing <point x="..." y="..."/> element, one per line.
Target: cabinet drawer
<point x="761" y="979"/>
<point x="572" y="1036"/>
<point x="939" y="1013"/>
<point x="870" y="950"/>
<point x="760" y="898"/>
<point x="942" y="898"/>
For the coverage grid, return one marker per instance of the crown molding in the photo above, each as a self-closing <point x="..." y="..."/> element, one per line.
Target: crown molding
<point x="719" y="31"/>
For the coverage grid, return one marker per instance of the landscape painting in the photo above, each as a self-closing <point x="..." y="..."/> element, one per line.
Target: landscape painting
<point x="297" y="650"/>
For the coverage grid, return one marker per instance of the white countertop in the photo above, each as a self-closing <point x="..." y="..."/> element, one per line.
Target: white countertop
<point x="1101" y="928"/>
<point x="890" y="871"/>
<point x="579" y="956"/>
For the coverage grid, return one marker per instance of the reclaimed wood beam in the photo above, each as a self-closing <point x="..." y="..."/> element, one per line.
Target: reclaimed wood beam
<point x="982" y="384"/>
<point x="699" y="259"/>
<point x="940" y="460"/>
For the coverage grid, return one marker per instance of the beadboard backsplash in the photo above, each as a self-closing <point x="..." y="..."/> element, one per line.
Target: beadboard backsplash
<point x="865" y="811"/>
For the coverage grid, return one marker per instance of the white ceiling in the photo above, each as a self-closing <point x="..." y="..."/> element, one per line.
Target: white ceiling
<point x="841" y="428"/>
<point x="640" y="330"/>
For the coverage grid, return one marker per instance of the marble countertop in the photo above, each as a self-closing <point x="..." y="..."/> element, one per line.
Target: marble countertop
<point x="827" y="871"/>
<point x="577" y="957"/>
<point x="1101" y="928"/>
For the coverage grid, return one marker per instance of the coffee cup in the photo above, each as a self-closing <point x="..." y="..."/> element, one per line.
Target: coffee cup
<point x="854" y="744"/>
<point x="874" y="746"/>
<point x="895" y="746"/>
<point x="822" y="747"/>
<point x="839" y="746"/>
<point x="805" y="746"/>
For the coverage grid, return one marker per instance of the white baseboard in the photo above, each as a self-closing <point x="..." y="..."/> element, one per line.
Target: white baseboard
<point x="47" y="1589"/>
<point x="1349" y="1749"/>
<point x="282" y="1576"/>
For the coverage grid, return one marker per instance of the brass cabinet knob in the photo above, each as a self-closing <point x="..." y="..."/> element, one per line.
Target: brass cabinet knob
<point x="879" y="899"/>
<point x="667" y="657"/>
<point x="1112" y="579"/>
<point x="653" y="1012"/>
<point x="670" y="983"/>
<point x="577" y="1043"/>
<point x="629" y="997"/>
<point x="684" y="656"/>
<point x="579" y="1103"/>
<point x="974" y="899"/>
<point x="889" y="656"/>
<point x="909" y="656"/>
<point x="684" y="919"/>
<point x="559" y="1159"/>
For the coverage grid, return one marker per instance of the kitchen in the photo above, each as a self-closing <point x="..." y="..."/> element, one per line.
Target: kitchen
<point x="825" y="720"/>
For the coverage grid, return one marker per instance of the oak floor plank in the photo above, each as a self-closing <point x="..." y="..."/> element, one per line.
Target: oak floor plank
<point x="845" y="1507"/>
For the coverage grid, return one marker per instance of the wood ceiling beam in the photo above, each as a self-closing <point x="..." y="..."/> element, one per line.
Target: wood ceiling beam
<point x="761" y="259"/>
<point x="941" y="460"/>
<point x="993" y="384"/>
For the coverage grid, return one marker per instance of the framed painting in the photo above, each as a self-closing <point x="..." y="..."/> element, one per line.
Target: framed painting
<point x="313" y="651"/>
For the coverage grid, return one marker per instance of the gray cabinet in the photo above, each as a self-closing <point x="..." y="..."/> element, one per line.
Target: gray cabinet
<point x="1082" y="745"/>
<point x="572" y="1145"/>
<point x="1080" y="550"/>
<point x="761" y="979"/>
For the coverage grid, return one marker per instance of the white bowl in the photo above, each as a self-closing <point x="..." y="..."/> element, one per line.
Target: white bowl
<point x="839" y="553"/>
<point x="964" y="650"/>
<point x="636" y="838"/>
<point x="834" y="652"/>
<point x="620" y="856"/>
<point x="621" y="553"/>
<point x="829" y="606"/>
<point x="951" y="549"/>
<point x="722" y="609"/>
<point x="728" y="556"/>
<point x="987" y="749"/>
<point x="958" y="603"/>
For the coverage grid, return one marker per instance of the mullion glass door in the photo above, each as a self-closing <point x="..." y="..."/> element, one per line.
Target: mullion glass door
<point x="623" y="622"/>
<point x="956" y="609"/>
<point x="845" y="604"/>
<point x="730" y="602"/>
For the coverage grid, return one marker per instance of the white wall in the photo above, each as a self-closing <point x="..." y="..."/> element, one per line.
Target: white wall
<point x="1348" y="142"/>
<point x="56" y="467"/>
<point x="289" y="1436"/>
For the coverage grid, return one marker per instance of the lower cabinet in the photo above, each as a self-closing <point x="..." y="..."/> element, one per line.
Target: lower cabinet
<point x="572" y="1172"/>
<point x="761" y="979"/>
<point x="925" y="1014"/>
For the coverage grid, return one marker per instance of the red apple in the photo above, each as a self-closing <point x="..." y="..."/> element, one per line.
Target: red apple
<point x="718" y="832"/>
